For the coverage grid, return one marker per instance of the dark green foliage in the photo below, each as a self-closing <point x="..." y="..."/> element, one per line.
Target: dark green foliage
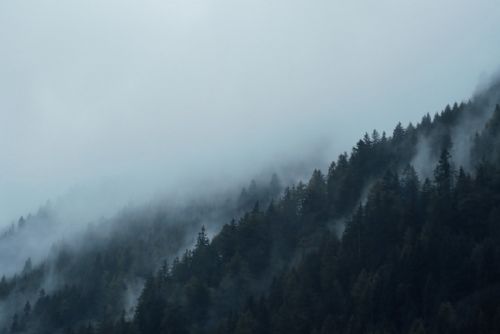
<point x="417" y="255"/>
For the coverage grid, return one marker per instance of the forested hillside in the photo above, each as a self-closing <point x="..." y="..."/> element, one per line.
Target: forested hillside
<point x="401" y="235"/>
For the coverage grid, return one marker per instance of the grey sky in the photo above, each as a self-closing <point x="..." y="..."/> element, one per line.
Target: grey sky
<point x="125" y="98"/>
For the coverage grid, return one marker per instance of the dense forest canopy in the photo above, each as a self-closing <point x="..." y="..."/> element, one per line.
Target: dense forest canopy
<point x="401" y="235"/>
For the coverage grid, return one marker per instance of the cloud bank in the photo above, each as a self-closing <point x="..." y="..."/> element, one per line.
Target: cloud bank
<point x="125" y="99"/>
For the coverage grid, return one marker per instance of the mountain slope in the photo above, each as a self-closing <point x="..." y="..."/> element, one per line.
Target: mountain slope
<point x="402" y="235"/>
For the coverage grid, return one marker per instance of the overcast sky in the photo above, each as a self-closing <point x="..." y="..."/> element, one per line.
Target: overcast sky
<point x="125" y="98"/>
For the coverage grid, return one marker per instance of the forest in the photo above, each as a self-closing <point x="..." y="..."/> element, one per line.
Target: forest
<point x="400" y="235"/>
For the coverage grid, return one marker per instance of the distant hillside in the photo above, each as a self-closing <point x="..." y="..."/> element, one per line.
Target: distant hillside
<point x="401" y="235"/>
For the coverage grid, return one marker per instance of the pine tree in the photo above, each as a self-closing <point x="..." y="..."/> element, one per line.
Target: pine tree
<point x="443" y="174"/>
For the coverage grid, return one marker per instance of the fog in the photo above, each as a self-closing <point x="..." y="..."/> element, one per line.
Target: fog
<point x="103" y="103"/>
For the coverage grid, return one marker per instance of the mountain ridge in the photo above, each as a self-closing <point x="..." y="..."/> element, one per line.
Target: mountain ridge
<point x="417" y="254"/>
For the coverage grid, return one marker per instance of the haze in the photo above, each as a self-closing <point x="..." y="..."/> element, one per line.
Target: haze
<point x="118" y="100"/>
